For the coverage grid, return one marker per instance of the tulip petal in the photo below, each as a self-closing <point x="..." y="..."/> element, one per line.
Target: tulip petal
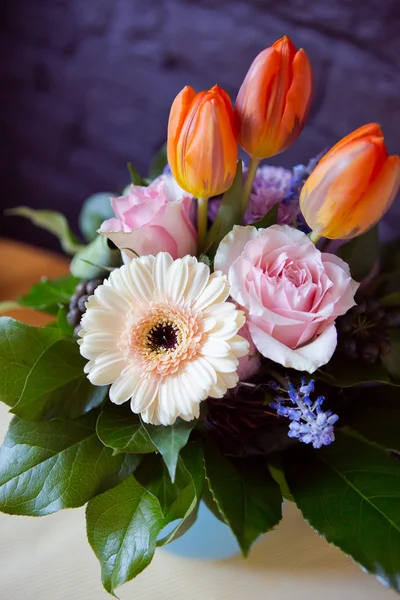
<point x="223" y="95"/>
<point x="377" y="199"/>
<point x="298" y="101"/>
<point x="278" y="93"/>
<point x="336" y="185"/>
<point x="252" y="102"/>
<point x="207" y="148"/>
<point x="179" y="110"/>
<point x="371" y="130"/>
<point x="274" y="100"/>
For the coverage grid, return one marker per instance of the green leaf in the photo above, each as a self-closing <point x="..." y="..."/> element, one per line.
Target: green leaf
<point x="9" y="305"/>
<point x="209" y="501"/>
<point x="169" y="440"/>
<point x="350" y="493"/>
<point x="48" y="295"/>
<point x="203" y="258"/>
<point x="136" y="178"/>
<point x="192" y="457"/>
<point x="57" y="385"/>
<point x="122" y="527"/>
<point x="392" y="299"/>
<point x="361" y="253"/>
<point x="247" y="497"/>
<point x="178" y="500"/>
<point x="95" y="259"/>
<point x="21" y="346"/>
<point x="96" y="209"/>
<point x="275" y="467"/>
<point x="62" y="323"/>
<point x="271" y="218"/>
<point x="392" y="360"/>
<point x="45" y="296"/>
<point x="346" y="373"/>
<point x="158" y="163"/>
<point x="52" y="222"/>
<point x="229" y="213"/>
<point x="120" y="429"/>
<point x="45" y="467"/>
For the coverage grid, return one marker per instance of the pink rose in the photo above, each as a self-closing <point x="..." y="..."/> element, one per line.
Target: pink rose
<point x="250" y="364"/>
<point x="290" y="291"/>
<point x="152" y="219"/>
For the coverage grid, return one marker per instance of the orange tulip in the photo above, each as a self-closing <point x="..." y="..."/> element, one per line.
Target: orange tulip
<point x="352" y="187"/>
<point x="202" y="147"/>
<point x="274" y="101"/>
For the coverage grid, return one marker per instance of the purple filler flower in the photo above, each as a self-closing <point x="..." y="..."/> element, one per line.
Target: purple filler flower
<point x="271" y="185"/>
<point x="310" y="424"/>
<point x="274" y="185"/>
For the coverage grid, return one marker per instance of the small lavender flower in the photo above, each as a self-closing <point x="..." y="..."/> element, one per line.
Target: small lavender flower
<point x="310" y="424"/>
<point x="273" y="185"/>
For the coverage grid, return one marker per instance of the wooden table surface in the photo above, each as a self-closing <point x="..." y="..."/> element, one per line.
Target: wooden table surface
<point x="50" y="559"/>
<point x="21" y="267"/>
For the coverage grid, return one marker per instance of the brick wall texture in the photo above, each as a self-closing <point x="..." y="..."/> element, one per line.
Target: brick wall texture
<point x="87" y="86"/>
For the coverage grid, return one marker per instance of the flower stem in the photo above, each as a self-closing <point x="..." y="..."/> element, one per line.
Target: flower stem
<point x="202" y="208"/>
<point x="278" y="377"/>
<point x="248" y="184"/>
<point x="324" y="244"/>
<point x="315" y="237"/>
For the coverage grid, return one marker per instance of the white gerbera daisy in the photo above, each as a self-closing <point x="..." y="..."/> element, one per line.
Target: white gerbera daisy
<point x="161" y="332"/>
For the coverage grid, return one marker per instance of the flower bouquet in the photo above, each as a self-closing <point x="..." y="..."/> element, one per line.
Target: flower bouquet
<point x="216" y="342"/>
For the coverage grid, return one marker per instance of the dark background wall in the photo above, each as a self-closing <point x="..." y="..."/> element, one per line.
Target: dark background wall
<point x="86" y="85"/>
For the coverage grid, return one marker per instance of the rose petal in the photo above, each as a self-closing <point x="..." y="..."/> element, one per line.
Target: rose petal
<point x="232" y="246"/>
<point x="306" y="358"/>
<point x="146" y="240"/>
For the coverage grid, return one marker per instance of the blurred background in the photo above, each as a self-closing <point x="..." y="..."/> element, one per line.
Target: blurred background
<point x="87" y="86"/>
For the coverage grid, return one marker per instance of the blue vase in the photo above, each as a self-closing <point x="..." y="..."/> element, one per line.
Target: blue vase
<point x="207" y="539"/>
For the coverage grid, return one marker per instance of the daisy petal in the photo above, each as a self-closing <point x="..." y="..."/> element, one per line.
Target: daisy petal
<point x="99" y="319"/>
<point x="110" y="298"/>
<point x="143" y="395"/>
<point x="177" y="280"/>
<point x="216" y="291"/>
<point x="201" y="373"/>
<point x="97" y="342"/>
<point x="140" y="281"/>
<point x="198" y="277"/>
<point x="160" y="273"/>
<point x="106" y="369"/>
<point x="225" y="364"/>
<point x="123" y="387"/>
<point x="215" y="348"/>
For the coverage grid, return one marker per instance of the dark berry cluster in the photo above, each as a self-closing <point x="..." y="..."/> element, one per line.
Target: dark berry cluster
<point x="78" y="300"/>
<point x="362" y="332"/>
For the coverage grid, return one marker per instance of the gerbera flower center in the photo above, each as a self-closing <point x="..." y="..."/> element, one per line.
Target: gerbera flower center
<point x="163" y="337"/>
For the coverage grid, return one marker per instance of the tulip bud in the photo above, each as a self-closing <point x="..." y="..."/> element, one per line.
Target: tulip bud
<point x="352" y="187"/>
<point x="274" y="100"/>
<point x="202" y="147"/>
